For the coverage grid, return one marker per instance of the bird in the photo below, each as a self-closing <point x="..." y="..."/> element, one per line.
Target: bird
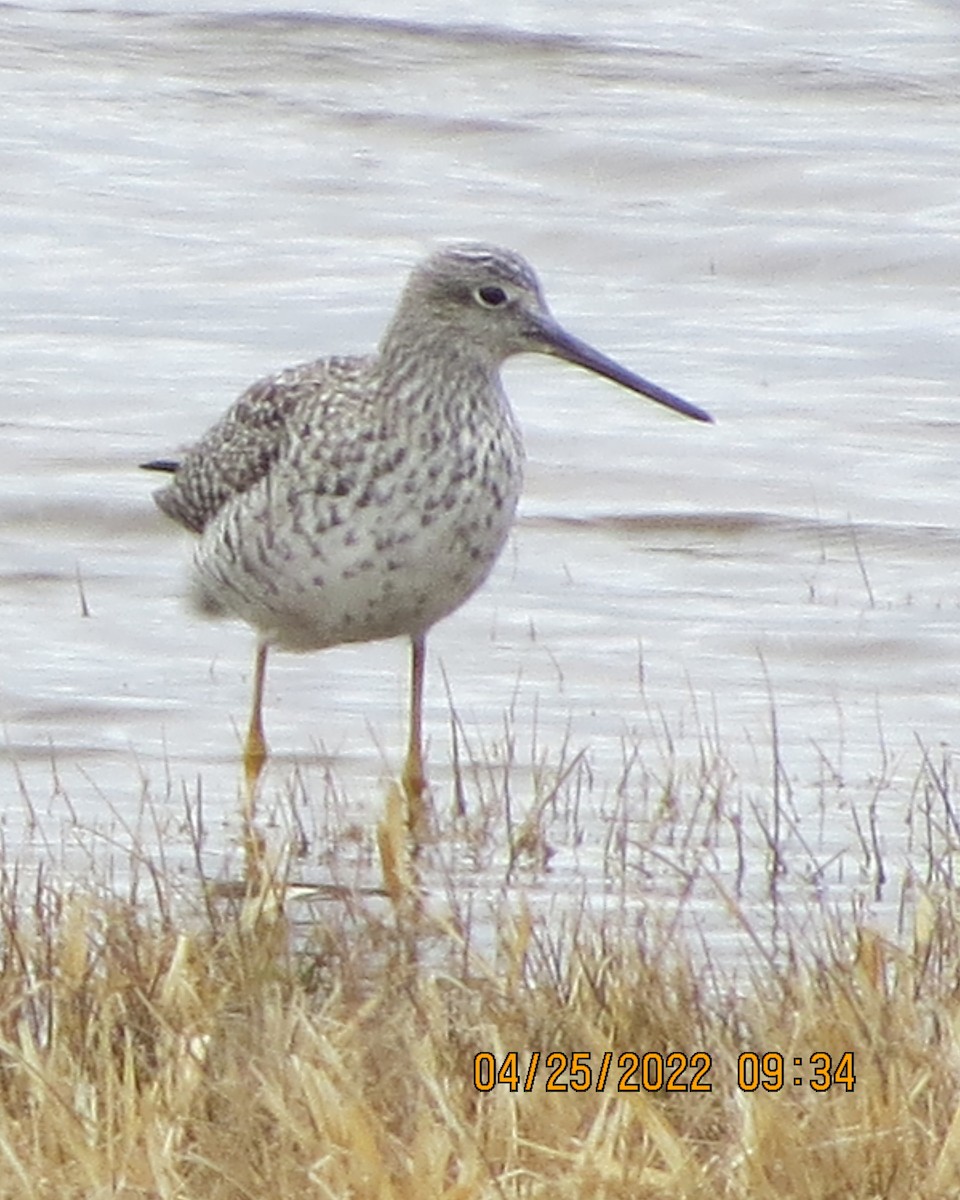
<point x="354" y="499"/>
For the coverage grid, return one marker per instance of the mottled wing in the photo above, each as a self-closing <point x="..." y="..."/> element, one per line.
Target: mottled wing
<point x="253" y="434"/>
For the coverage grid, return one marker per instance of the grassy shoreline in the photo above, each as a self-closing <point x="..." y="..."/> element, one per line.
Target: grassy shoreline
<point x="217" y="1045"/>
<point x="391" y="1029"/>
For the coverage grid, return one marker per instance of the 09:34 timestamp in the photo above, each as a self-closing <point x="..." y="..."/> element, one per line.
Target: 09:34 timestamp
<point x="653" y="1071"/>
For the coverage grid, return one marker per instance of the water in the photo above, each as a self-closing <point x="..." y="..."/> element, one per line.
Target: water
<point x="754" y="205"/>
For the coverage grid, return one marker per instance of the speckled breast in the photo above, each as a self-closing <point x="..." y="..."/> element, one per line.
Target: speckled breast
<point x="386" y="542"/>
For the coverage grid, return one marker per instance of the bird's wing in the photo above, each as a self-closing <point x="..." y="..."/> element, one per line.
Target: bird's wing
<point x="253" y="434"/>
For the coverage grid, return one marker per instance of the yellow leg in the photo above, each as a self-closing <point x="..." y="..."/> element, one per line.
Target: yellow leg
<point x="414" y="780"/>
<point x="401" y="832"/>
<point x="255" y="747"/>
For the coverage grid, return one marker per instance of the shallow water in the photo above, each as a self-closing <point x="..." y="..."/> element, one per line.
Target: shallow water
<point x="753" y="205"/>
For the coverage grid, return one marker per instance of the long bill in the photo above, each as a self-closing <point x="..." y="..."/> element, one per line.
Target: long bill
<point x="555" y="340"/>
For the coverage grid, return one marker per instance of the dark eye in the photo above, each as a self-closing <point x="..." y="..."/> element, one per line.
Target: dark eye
<point x="491" y="297"/>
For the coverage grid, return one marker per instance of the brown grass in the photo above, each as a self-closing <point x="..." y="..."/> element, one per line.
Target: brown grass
<point x="229" y="1056"/>
<point x="237" y="1043"/>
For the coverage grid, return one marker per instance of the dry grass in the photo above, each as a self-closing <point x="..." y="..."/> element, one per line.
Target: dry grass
<point x="220" y="1045"/>
<point x="228" y="1056"/>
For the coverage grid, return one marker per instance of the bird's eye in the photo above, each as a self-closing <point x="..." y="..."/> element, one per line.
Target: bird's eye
<point x="491" y="297"/>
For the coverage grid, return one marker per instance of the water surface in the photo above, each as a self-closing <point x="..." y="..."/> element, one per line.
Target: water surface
<point x="753" y="205"/>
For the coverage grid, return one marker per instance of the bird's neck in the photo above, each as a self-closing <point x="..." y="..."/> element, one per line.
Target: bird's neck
<point x="429" y="371"/>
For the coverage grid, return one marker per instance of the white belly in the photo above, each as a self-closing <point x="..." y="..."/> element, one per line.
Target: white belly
<point x="309" y="572"/>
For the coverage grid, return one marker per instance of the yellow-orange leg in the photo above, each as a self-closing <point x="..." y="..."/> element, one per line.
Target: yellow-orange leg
<point x="255" y="747"/>
<point x="414" y="780"/>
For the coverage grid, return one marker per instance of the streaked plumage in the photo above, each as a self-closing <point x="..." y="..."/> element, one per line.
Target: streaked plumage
<point x="354" y="499"/>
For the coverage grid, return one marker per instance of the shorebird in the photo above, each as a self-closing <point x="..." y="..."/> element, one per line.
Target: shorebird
<point x="361" y="498"/>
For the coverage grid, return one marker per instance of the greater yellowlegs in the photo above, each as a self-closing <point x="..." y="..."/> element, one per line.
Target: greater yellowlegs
<point x="354" y="499"/>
